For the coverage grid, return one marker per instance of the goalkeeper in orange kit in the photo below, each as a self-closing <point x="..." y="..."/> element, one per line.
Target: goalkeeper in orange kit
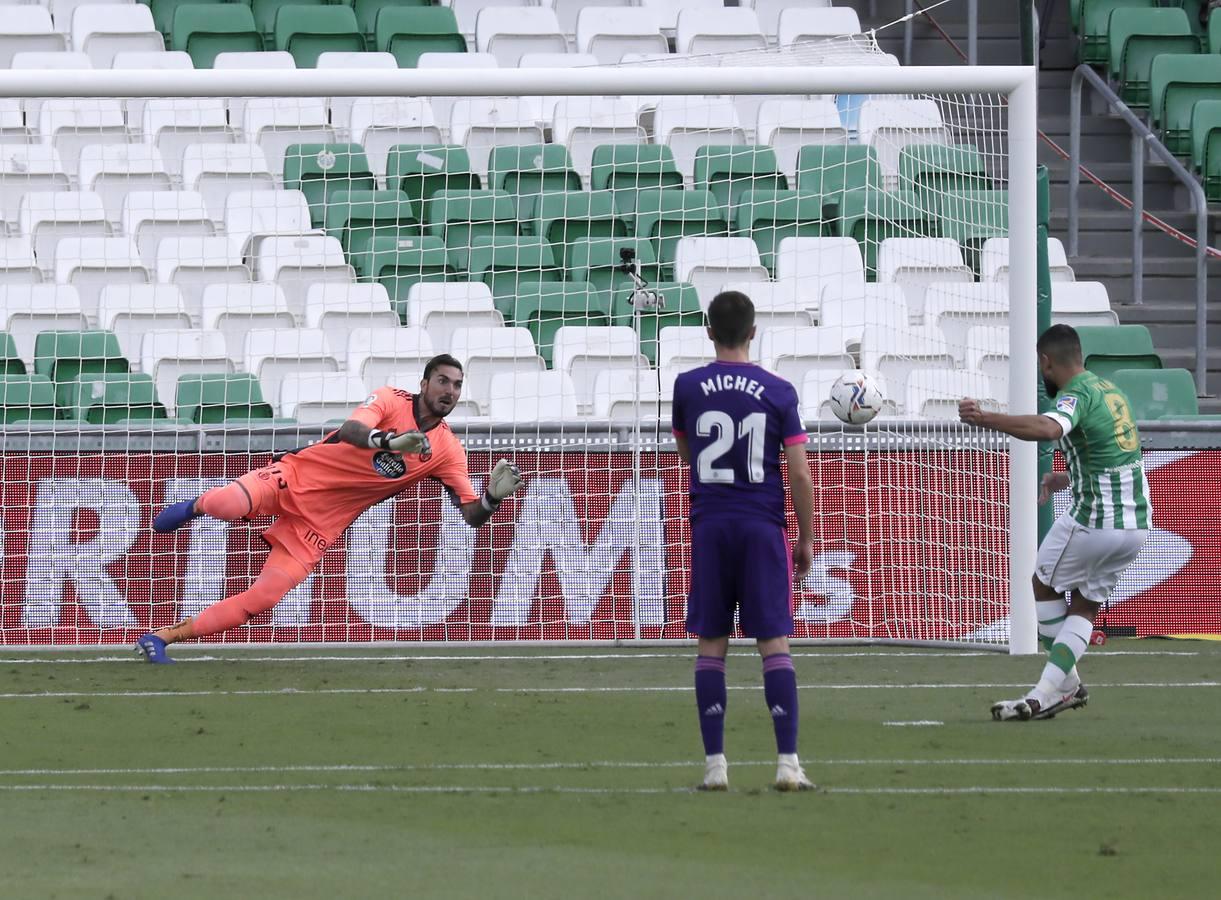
<point x="393" y="440"/>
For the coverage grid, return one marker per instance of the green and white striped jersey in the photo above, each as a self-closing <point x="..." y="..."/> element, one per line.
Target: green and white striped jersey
<point x="1102" y="448"/>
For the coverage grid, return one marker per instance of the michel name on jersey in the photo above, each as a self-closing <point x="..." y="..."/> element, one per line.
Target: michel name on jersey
<point x="723" y="382"/>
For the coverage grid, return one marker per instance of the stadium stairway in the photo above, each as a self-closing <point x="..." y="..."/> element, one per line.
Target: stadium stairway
<point x="1104" y="250"/>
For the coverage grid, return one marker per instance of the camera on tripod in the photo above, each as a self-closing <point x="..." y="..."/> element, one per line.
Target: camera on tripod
<point x="642" y="297"/>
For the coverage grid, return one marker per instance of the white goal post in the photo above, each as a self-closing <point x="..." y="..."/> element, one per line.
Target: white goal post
<point x="1015" y="88"/>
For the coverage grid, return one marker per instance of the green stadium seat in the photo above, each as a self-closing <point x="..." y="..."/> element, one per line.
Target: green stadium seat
<point x="204" y="30"/>
<point x="930" y="170"/>
<point x="10" y="360"/>
<point x="502" y="261"/>
<point x="1136" y="36"/>
<point x="871" y="216"/>
<point x="528" y="171"/>
<point x="627" y="169"/>
<point x="355" y="217"/>
<point x="459" y="217"/>
<point x="546" y="306"/>
<point x="1158" y="393"/>
<point x="562" y="218"/>
<point x="666" y="216"/>
<point x="769" y="216"/>
<point x="266" y="11"/>
<point x="1206" y="145"/>
<point x="1093" y="25"/>
<point x="306" y="31"/>
<point x="108" y="398"/>
<point x="972" y="217"/>
<point x="828" y="170"/>
<point x="729" y="172"/>
<point x="407" y="32"/>
<point x="26" y="398"/>
<point x="321" y="170"/>
<point x="597" y="261"/>
<point x="681" y="306"/>
<point x="211" y="398"/>
<point x="64" y="355"/>
<point x="366" y="15"/>
<point x="1108" y="348"/>
<point x="164" y="10"/>
<point x="420" y="170"/>
<point x="1177" y="81"/>
<point x="398" y="263"/>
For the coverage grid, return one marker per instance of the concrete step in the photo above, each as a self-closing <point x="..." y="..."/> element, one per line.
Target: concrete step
<point x="1109" y="232"/>
<point x="1172" y="326"/>
<point x="1166" y="280"/>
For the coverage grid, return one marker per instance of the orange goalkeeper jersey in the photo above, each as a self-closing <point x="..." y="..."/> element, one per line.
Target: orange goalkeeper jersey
<point x="333" y="482"/>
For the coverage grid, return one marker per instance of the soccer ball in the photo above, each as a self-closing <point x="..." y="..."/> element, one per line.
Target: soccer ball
<point x="855" y="398"/>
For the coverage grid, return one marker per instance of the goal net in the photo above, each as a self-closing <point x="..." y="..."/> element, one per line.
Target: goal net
<point x="195" y="282"/>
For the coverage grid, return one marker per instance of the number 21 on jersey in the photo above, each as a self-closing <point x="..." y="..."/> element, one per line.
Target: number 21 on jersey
<point x="725" y="433"/>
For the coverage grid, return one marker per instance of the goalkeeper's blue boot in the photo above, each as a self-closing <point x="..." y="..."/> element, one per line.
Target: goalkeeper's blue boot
<point x="152" y="648"/>
<point x="174" y="516"/>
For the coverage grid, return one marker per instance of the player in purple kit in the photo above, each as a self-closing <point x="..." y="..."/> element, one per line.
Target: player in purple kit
<point x="732" y="418"/>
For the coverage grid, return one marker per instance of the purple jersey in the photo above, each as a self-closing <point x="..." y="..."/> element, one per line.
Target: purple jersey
<point x="736" y="417"/>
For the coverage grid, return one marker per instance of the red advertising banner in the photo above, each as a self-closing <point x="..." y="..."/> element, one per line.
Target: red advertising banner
<point x="909" y="545"/>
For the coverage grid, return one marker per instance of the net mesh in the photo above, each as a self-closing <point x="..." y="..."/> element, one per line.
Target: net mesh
<point x="192" y="285"/>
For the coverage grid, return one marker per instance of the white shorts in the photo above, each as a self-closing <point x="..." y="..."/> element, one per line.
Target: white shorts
<point x="1090" y="560"/>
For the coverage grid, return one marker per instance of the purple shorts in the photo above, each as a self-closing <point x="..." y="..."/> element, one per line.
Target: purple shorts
<point x="743" y="564"/>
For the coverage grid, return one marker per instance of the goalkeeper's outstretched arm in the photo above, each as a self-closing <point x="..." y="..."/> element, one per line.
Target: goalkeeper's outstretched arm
<point x="503" y="481"/>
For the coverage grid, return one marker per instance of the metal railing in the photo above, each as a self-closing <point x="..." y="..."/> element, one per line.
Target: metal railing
<point x="1143" y="141"/>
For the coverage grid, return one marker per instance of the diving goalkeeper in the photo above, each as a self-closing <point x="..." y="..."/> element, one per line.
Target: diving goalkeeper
<point x="393" y="440"/>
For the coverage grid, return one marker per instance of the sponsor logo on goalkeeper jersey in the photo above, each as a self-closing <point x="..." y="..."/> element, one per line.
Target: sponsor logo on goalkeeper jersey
<point x="389" y="465"/>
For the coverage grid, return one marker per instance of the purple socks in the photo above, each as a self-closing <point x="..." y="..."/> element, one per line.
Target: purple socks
<point x="780" y="692"/>
<point x="710" y="698"/>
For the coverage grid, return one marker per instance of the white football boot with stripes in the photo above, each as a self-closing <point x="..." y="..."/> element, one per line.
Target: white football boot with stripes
<point x="790" y="776"/>
<point x="716" y="773"/>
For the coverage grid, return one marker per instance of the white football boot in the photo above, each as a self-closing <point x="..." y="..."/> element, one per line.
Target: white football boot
<point x="716" y="773"/>
<point x="790" y="776"/>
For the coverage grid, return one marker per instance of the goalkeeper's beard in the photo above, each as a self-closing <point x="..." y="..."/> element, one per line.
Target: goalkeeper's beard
<point x="435" y="408"/>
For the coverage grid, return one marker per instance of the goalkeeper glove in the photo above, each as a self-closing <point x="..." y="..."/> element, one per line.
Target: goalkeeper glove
<point x="399" y="442"/>
<point x="504" y="480"/>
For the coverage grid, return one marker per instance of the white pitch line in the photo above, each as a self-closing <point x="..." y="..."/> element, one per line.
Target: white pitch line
<point x="304" y="692"/>
<point x="915" y="723"/>
<point x="594" y="764"/>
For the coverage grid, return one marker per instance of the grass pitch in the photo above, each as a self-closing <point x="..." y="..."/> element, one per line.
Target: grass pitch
<point x="545" y="772"/>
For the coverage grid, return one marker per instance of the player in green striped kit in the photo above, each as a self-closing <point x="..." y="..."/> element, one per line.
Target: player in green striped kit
<point x="1091" y="545"/>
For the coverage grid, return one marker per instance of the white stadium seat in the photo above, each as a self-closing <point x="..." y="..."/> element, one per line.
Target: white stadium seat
<point x="584" y="351"/>
<point x="167" y="353"/>
<point x="896" y="352"/>
<point x="218" y="170"/>
<point x="235" y="309"/>
<point x="25" y="168"/>
<point x="799" y="24"/>
<point x="71" y="125"/>
<point x="709" y="262"/>
<point x="375" y="354"/>
<point x="688" y="123"/>
<point x="583" y="123"/>
<point x="339" y="309"/>
<point x="889" y="125"/>
<point x="91" y="263"/>
<point x="378" y="124"/>
<point x="994" y="260"/>
<point x="467" y="13"/>
<point x="851" y="308"/>
<point x="567" y="11"/>
<point x="316" y="397"/>
<point x="1081" y="303"/>
<point x="129" y="310"/>
<point x="272" y="353"/>
<point x="934" y="393"/>
<point x="988" y="352"/>
<point x="277" y="123"/>
<point x="490" y="352"/>
<point x="668" y="11"/>
<point x="250" y="59"/>
<point x="192" y="264"/>
<point x="104" y="30"/>
<point x="776" y="303"/>
<point x="787" y="125"/>
<point x="769" y="11"/>
<point x="45" y="218"/>
<point x="811" y="263"/>
<point x="252" y="217"/>
<point x="50" y="59"/>
<point x="27" y="309"/>
<point x="720" y="29"/>
<point x="916" y="263"/>
<point x="792" y="352"/>
<point x="341" y="107"/>
<point x="442" y="306"/>
<point x="621" y="395"/>
<point x="956" y="308"/>
<point x="25" y="29"/>
<point x="610" y="33"/>
<point x="683" y="347"/>
<point x="297" y="262"/>
<point x="174" y="125"/>
<point x="17" y="262"/>
<point x="148" y="59"/>
<point x="63" y="10"/>
<point x="151" y="216"/>
<point x="484" y="123"/>
<point x="13" y="126"/>
<point x="522" y="397"/>
<point x="509" y="32"/>
<point x="443" y="106"/>
<point x="547" y="105"/>
<point x="115" y="170"/>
